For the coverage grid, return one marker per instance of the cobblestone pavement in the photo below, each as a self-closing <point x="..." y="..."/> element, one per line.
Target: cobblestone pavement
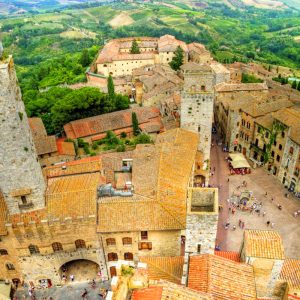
<point x="259" y="182"/>
<point x="71" y="291"/>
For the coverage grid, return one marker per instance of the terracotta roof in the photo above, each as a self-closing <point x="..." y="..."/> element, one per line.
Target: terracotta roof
<point x="232" y="87"/>
<point x="65" y="148"/>
<point x="160" y="175"/>
<point x="3" y="215"/>
<point x="192" y="66"/>
<point x="165" y="290"/>
<point x="221" y="278"/>
<point x="261" y="108"/>
<point x="150" y="293"/>
<point x="33" y="216"/>
<point x="234" y="256"/>
<point x="111" y="51"/>
<point x="265" y="121"/>
<point x="198" y="48"/>
<point x="166" y="268"/>
<point x="81" y="166"/>
<point x="219" y="68"/>
<point x="291" y="272"/>
<point x="44" y="144"/>
<point x="264" y="244"/>
<point x="111" y="121"/>
<point x="72" y="196"/>
<point x="168" y="43"/>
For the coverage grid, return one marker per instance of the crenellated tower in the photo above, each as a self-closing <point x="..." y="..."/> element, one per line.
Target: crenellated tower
<point x="21" y="179"/>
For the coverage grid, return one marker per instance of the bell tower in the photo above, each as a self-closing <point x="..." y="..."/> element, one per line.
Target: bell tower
<point x="21" y="179"/>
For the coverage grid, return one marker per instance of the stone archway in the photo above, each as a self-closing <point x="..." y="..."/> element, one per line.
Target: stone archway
<point x="81" y="269"/>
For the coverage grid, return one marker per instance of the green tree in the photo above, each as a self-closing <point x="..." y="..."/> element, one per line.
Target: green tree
<point x="143" y="139"/>
<point x="294" y="84"/>
<point x="110" y="87"/>
<point x="84" y="59"/>
<point x="177" y="59"/>
<point x="135" y="48"/>
<point x="135" y="124"/>
<point x="298" y="86"/>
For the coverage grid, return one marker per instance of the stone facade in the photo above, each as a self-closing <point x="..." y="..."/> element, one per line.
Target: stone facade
<point x="201" y="223"/>
<point x="21" y="179"/>
<point x="157" y="243"/>
<point x="197" y="101"/>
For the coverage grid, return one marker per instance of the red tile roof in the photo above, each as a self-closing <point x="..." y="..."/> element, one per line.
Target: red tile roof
<point x="221" y="278"/>
<point x="234" y="256"/>
<point x="150" y="293"/>
<point x="113" y="121"/>
<point x="65" y="148"/>
<point x="291" y="272"/>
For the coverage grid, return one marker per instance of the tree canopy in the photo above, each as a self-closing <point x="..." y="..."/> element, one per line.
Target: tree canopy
<point x="110" y="87"/>
<point x="177" y="60"/>
<point x="135" y="48"/>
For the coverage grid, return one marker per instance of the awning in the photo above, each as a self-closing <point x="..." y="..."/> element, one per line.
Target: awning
<point x="238" y="161"/>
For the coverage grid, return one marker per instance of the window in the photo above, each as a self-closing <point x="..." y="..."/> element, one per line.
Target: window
<point x="80" y="244"/>
<point x="199" y="248"/>
<point x="248" y="125"/>
<point x="283" y="134"/>
<point x="258" y="129"/>
<point x="3" y="252"/>
<point x="273" y="154"/>
<point x="238" y="124"/>
<point x="145" y="246"/>
<point x="264" y="148"/>
<point x="10" y="267"/>
<point x="243" y="122"/>
<point x="291" y="150"/>
<point x="144" y="235"/>
<point x="202" y="87"/>
<point x="280" y="147"/>
<point x="127" y="240"/>
<point x="256" y="142"/>
<point x="110" y="242"/>
<point x="275" y="143"/>
<point x="112" y="256"/>
<point x="33" y="249"/>
<point x="57" y="247"/>
<point x="128" y="256"/>
<point x="267" y="134"/>
<point x="199" y="128"/>
<point x="236" y="136"/>
<point x="23" y="199"/>
<point x="278" y="158"/>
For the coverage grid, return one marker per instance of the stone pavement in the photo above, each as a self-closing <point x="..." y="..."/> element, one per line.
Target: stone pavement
<point x="259" y="182"/>
<point x="71" y="291"/>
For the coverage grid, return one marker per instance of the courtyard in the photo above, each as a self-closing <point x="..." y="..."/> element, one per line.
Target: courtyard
<point x="260" y="183"/>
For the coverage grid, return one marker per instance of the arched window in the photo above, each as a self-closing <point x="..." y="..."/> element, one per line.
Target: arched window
<point x="291" y="150"/>
<point x="3" y="252"/>
<point x="80" y="244"/>
<point x="33" y="249"/>
<point x="128" y="256"/>
<point x="110" y="242"/>
<point x="57" y="247"/>
<point x="112" y="256"/>
<point x="10" y="267"/>
<point x="127" y="240"/>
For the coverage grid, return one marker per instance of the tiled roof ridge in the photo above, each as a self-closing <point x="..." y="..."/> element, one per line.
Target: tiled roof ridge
<point x="158" y="182"/>
<point x="161" y="269"/>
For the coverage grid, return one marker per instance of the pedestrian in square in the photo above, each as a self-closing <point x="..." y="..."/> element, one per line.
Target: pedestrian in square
<point x="268" y="223"/>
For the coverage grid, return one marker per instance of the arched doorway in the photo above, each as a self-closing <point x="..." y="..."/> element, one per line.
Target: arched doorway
<point x="199" y="180"/>
<point x="80" y="270"/>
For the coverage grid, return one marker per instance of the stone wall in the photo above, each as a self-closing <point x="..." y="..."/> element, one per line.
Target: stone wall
<point x="20" y="172"/>
<point x="197" y="101"/>
<point x="164" y="243"/>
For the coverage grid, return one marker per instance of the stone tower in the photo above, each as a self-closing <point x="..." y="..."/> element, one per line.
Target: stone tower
<point x="201" y="224"/>
<point x="197" y="100"/>
<point x="21" y="179"/>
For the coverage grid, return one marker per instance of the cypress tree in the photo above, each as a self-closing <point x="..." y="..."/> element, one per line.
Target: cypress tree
<point x="298" y="86"/>
<point x="177" y="60"/>
<point x="84" y="58"/>
<point x="135" y="124"/>
<point x="294" y="84"/>
<point x="135" y="48"/>
<point x="110" y="88"/>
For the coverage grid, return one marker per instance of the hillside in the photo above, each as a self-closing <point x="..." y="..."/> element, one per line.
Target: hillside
<point x="47" y="47"/>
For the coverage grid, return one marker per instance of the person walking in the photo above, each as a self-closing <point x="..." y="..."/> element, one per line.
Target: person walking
<point x="268" y="223"/>
<point x="72" y="277"/>
<point x="272" y="225"/>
